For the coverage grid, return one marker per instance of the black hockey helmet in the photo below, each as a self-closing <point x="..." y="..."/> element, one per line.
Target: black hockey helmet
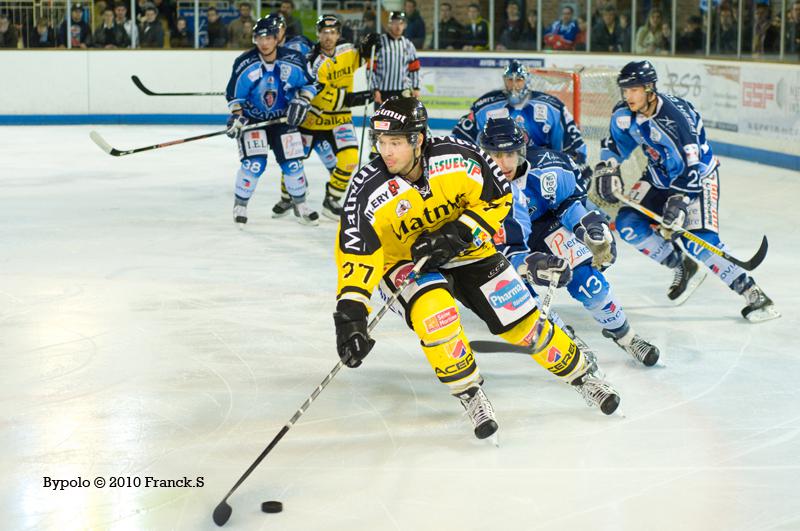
<point x="329" y="21"/>
<point x="397" y="15"/>
<point x="517" y="70"/>
<point x="399" y="116"/>
<point x="269" y="25"/>
<point x="638" y="74"/>
<point x="503" y="135"/>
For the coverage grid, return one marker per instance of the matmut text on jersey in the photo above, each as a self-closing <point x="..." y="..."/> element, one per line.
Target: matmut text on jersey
<point x="384" y="214"/>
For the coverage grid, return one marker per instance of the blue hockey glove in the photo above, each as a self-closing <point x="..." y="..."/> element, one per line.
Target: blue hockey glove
<point x="297" y="111"/>
<point x="235" y="124"/>
<point x="674" y="217"/>
<point x="352" y="340"/>
<point x="593" y="231"/>
<point x="538" y="268"/>
<point x="607" y="181"/>
<point x="441" y="245"/>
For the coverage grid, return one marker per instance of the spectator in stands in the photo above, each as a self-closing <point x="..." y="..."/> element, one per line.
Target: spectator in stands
<point x="451" y="33"/>
<point x="217" y="32"/>
<point x="625" y="31"/>
<point x="691" y="40"/>
<point x="166" y="13"/>
<point x="530" y="33"/>
<point x="293" y="25"/>
<point x="181" y="37"/>
<point x="476" y="32"/>
<point x="152" y="32"/>
<point x="121" y="19"/>
<point x="792" y="46"/>
<point x="43" y="35"/>
<point x="415" y="26"/>
<point x="511" y="32"/>
<point x="9" y="38"/>
<point x="367" y="24"/>
<point x="562" y="32"/>
<point x="725" y="37"/>
<point x="240" y="30"/>
<point x="766" y="37"/>
<point x="80" y="34"/>
<point x="109" y="34"/>
<point x="652" y="37"/>
<point x="606" y="33"/>
<point x="580" y="38"/>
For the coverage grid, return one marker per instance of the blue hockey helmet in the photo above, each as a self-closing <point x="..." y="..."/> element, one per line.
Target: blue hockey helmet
<point x="503" y="135"/>
<point x="638" y="74"/>
<point x="269" y="25"/>
<point x="516" y="70"/>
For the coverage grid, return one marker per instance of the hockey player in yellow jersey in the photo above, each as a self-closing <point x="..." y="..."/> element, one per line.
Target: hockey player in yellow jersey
<point x="442" y="198"/>
<point x="328" y="127"/>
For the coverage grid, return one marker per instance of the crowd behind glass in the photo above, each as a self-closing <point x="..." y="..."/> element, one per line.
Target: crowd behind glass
<point x="759" y="29"/>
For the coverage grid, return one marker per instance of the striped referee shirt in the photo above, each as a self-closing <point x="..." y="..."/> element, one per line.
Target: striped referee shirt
<point x="396" y="65"/>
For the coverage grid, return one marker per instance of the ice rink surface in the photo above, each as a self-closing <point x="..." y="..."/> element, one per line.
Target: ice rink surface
<point x="143" y="335"/>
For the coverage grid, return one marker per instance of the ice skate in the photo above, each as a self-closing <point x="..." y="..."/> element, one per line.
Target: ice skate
<point x="687" y="278"/>
<point x="596" y="392"/>
<point x="240" y="214"/>
<point x="305" y="215"/>
<point x="480" y="411"/>
<point x="331" y="208"/>
<point x="759" y="307"/>
<point x="638" y="347"/>
<point x="282" y="208"/>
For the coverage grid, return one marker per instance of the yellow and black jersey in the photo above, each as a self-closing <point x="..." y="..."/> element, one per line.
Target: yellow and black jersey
<point x="384" y="214"/>
<point x="334" y="77"/>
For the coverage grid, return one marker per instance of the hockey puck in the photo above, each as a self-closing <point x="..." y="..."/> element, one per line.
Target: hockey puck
<point x="272" y="506"/>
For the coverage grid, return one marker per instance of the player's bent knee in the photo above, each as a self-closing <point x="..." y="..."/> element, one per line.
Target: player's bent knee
<point x="254" y="166"/>
<point x="632" y="226"/>
<point x="588" y="286"/>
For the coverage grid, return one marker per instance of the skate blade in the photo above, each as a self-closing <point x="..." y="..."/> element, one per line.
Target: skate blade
<point x="764" y="314"/>
<point x="276" y="215"/>
<point x="694" y="283"/>
<point x="308" y="222"/>
<point x="494" y="439"/>
<point x="330" y="215"/>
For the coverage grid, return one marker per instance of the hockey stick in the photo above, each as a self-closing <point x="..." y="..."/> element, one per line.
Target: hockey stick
<point x="544" y="311"/>
<point x="748" y="265"/>
<point x="140" y="86"/>
<point x="223" y="510"/>
<point x="114" y="152"/>
<point x="366" y="104"/>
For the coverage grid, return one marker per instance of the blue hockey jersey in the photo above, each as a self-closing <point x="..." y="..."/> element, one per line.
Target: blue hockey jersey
<point x="549" y="207"/>
<point x="263" y="90"/>
<point x="673" y="139"/>
<point x="544" y="118"/>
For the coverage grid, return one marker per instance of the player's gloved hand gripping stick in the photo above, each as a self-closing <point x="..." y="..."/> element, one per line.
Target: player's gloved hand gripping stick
<point x="223" y="510"/>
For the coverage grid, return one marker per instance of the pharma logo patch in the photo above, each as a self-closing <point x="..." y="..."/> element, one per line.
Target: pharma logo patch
<point x="509" y="295"/>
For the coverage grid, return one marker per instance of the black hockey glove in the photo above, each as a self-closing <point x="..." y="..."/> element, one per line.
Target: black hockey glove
<point x="674" y="217"/>
<point x="352" y="340"/>
<point x="585" y="180"/>
<point x="355" y="99"/>
<point x="607" y="180"/>
<point x="593" y="231"/>
<point x="540" y="266"/>
<point x="441" y="245"/>
<point x="366" y="43"/>
<point x="235" y="124"/>
<point x="297" y="111"/>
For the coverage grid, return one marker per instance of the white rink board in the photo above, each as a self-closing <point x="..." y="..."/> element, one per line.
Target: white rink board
<point x="144" y="335"/>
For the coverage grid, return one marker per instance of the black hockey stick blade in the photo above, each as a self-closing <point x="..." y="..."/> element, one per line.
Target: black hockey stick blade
<point x="756" y="260"/>
<point x="140" y="86"/>
<point x="222" y="513"/>
<point x="498" y="346"/>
